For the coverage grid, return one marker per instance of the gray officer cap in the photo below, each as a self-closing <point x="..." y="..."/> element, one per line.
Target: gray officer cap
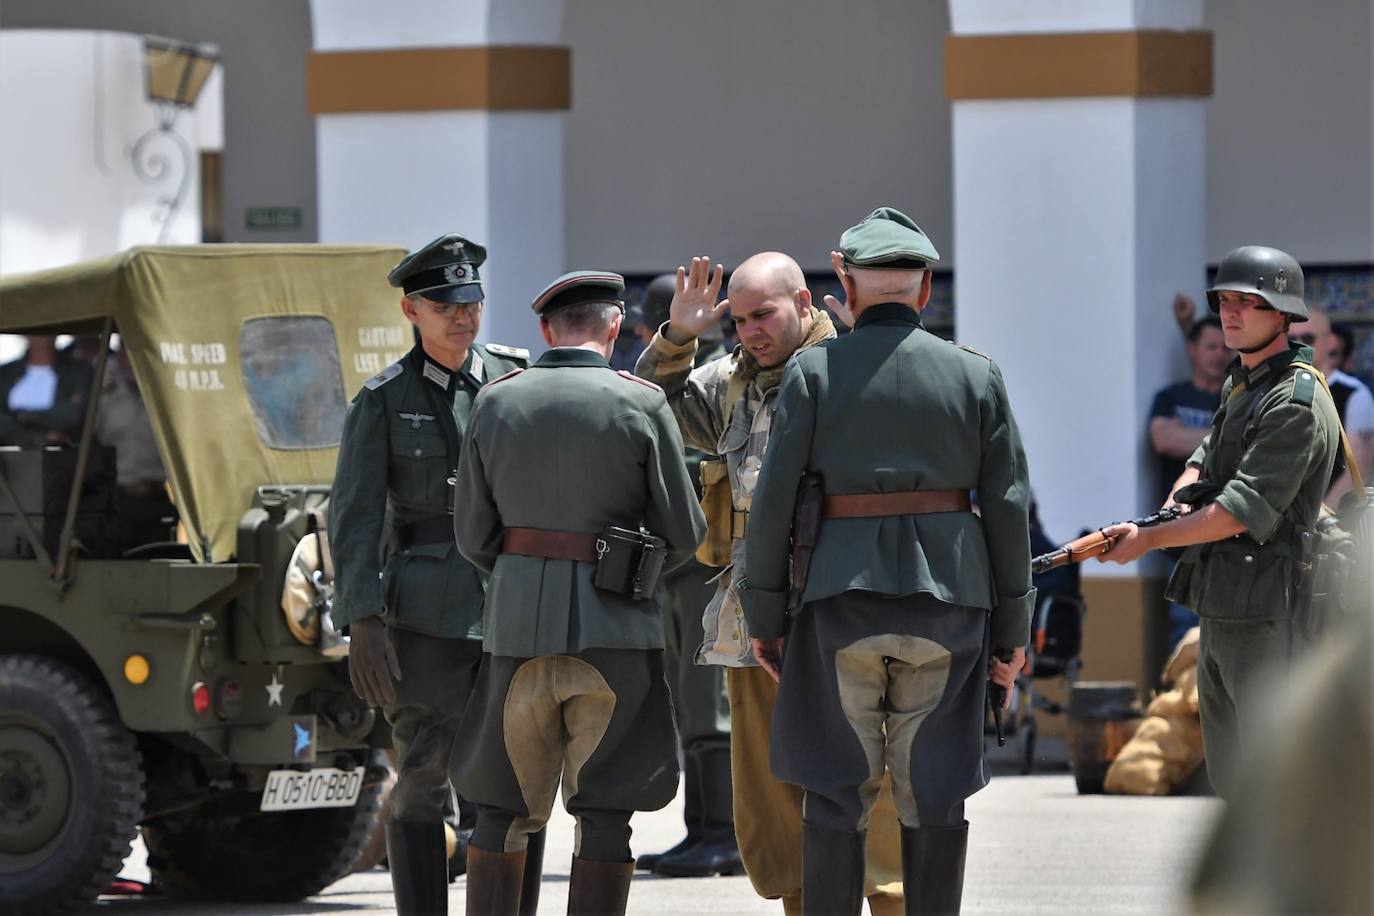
<point x="580" y="287"/>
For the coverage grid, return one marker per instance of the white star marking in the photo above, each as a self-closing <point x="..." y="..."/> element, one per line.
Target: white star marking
<point x="274" y="690"/>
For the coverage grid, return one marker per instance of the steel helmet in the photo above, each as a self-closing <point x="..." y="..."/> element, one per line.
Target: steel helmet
<point x="1271" y="274"/>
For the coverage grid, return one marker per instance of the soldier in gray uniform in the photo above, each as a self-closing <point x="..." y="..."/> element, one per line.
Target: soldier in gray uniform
<point x="699" y="696"/>
<point x="563" y="462"/>
<point x="887" y="654"/>
<point x="1255" y="485"/>
<point x="411" y="603"/>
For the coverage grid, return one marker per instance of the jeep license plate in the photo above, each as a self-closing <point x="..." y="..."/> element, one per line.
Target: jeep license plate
<point x="326" y="787"/>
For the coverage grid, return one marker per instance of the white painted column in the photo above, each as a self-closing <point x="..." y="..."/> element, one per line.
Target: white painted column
<point x="1076" y="220"/>
<point x="404" y="177"/>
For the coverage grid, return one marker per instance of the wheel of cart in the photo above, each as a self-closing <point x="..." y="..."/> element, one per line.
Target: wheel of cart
<point x="1054" y="653"/>
<point x="1056" y="643"/>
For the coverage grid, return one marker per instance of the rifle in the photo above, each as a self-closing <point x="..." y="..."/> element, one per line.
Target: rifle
<point x="1095" y="543"/>
<point x="806" y="529"/>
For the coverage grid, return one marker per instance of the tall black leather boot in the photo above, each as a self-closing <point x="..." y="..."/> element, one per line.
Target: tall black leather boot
<point x="933" y="869"/>
<point x="716" y="852"/>
<point x="832" y="872"/>
<point x="691" y="816"/>
<point x="599" y="888"/>
<point x="419" y="867"/>
<point x="534" y="874"/>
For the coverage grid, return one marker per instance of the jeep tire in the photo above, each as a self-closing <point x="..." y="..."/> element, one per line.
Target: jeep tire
<point x="262" y="856"/>
<point x="71" y="787"/>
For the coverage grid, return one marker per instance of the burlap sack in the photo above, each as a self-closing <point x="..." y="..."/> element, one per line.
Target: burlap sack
<point x="1167" y="747"/>
<point x="1163" y="753"/>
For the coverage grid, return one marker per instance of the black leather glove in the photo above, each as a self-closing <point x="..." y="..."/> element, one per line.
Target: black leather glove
<point x="372" y="664"/>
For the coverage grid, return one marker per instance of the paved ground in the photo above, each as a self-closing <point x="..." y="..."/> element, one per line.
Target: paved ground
<point x="1036" y="847"/>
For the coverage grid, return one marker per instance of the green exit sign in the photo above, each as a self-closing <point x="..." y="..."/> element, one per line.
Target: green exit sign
<point x="272" y="218"/>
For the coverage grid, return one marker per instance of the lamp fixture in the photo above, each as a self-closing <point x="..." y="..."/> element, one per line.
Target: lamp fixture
<point x="175" y="72"/>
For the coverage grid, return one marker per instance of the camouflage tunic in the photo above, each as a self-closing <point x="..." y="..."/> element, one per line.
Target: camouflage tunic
<point x="698" y="398"/>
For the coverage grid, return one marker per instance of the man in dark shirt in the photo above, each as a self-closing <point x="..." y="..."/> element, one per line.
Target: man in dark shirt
<point x="1182" y="413"/>
<point x="1180" y="417"/>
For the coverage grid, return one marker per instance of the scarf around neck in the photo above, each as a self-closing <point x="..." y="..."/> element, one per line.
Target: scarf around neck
<point x="822" y="329"/>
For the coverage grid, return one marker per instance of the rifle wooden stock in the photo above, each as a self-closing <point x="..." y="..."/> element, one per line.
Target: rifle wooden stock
<point x="1095" y="543"/>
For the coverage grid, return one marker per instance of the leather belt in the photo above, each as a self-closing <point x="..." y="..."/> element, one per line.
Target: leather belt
<point x="906" y="502"/>
<point x="550" y="545"/>
<point x="739" y="523"/>
<point x="426" y="531"/>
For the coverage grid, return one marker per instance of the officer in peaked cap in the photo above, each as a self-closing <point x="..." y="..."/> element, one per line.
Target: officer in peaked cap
<point x="887" y="643"/>
<point x="1256" y="485"/>
<point x="572" y="683"/>
<point x="411" y="602"/>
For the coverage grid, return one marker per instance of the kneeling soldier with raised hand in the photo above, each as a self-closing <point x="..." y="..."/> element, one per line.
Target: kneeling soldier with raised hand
<point x="574" y="488"/>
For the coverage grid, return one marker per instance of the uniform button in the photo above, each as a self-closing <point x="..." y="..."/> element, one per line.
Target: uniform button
<point x="1249" y="558"/>
<point x="735" y="635"/>
<point x="418" y="452"/>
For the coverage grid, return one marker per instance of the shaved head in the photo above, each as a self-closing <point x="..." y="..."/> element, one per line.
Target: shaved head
<point x="771" y="306"/>
<point x="768" y="273"/>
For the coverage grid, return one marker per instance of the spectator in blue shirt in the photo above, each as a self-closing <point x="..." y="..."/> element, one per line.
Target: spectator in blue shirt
<point x="1180" y="418"/>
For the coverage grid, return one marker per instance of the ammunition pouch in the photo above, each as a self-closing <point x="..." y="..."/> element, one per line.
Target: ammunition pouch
<point x="629" y="562"/>
<point x="719" y="508"/>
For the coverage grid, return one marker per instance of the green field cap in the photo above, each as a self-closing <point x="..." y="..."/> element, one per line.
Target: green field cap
<point x="888" y="239"/>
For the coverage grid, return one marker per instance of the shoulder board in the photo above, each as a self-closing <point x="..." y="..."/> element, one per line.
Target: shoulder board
<point x="1304" y="386"/>
<point x="386" y="375"/>
<point x="501" y="378"/>
<point x="519" y="353"/>
<point x="975" y="352"/>
<point x="634" y="378"/>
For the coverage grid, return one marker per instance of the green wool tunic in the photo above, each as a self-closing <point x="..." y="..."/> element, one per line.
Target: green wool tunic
<point x="838" y="412"/>
<point x="1267" y="460"/>
<point x="570" y="445"/>
<point x="397" y="453"/>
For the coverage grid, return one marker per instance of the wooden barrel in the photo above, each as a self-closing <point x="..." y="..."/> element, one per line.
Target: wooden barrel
<point x="1103" y="715"/>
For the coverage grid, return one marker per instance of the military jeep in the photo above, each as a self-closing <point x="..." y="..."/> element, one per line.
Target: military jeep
<point x="184" y="685"/>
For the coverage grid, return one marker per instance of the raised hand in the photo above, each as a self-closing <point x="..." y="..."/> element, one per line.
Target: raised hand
<point x="694" y="307"/>
<point x="1184" y="312"/>
<point x="841" y="309"/>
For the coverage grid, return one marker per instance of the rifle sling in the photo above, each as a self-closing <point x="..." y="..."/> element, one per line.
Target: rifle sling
<point x="1355" y="476"/>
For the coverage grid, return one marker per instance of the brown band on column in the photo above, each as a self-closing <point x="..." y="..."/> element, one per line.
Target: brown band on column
<point x="506" y="78"/>
<point x="1139" y="64"/>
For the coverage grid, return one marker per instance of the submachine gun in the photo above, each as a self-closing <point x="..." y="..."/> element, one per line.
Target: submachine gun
<point x="1095" y="543"/>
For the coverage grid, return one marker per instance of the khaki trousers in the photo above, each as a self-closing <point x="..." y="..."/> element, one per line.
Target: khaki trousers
<point x="768" y="823"/>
